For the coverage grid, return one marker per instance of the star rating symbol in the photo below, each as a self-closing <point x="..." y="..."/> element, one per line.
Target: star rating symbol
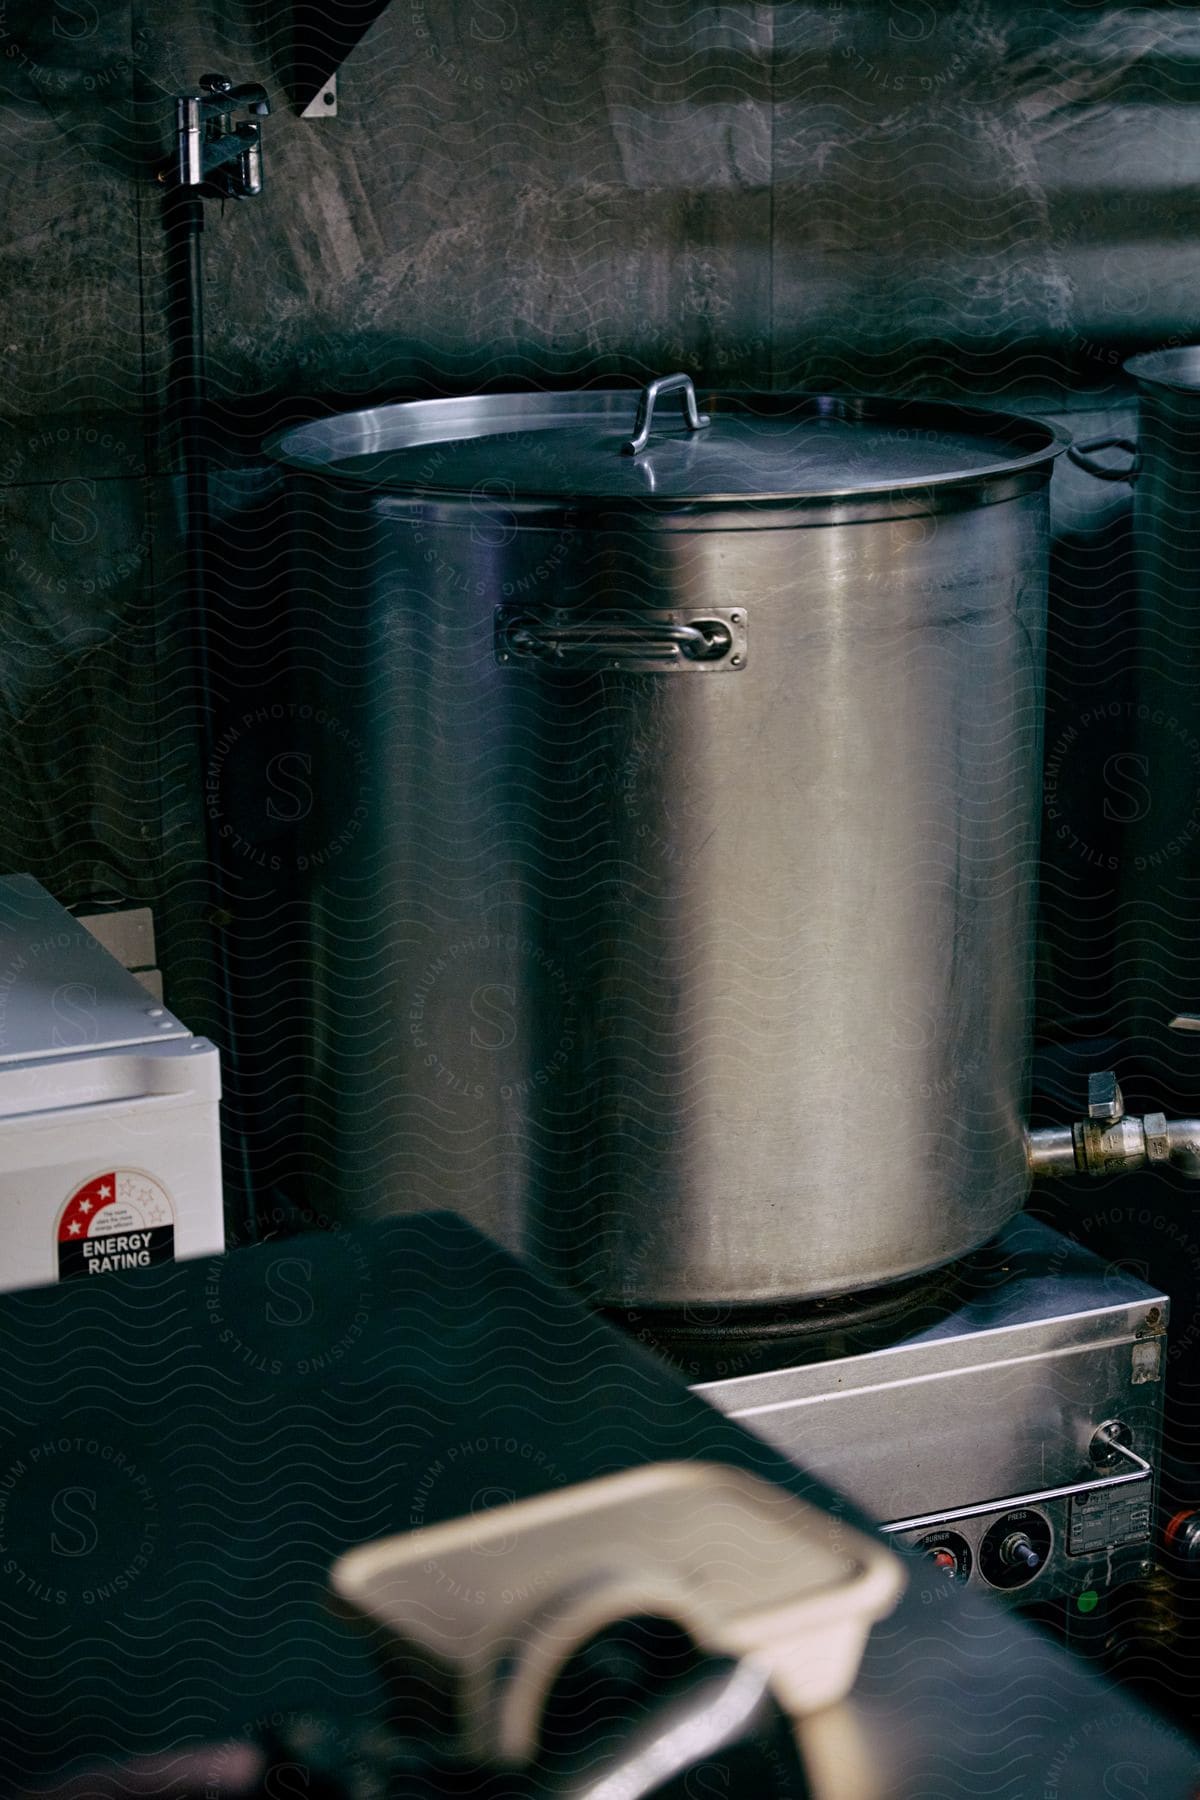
<point x="86" y="1207"/>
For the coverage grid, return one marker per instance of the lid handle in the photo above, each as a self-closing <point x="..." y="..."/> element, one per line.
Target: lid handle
<point x="643" y="424"/>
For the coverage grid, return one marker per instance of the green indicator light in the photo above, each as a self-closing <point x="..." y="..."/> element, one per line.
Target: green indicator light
<point x="1088" y="1601"/>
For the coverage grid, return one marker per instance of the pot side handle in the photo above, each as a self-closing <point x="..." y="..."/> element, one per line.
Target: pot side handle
<point x="1082" y="455"/>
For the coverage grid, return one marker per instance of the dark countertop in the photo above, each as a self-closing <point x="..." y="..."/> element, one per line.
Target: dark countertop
<point x="184" y="1452"/>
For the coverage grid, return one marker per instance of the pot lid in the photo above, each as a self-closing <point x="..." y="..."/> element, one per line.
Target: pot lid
<point x="1178" y="368"/>
<point x="666" y="445"/>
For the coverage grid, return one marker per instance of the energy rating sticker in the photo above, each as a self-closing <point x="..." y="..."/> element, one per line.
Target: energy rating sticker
<point x="121" y="1220"/>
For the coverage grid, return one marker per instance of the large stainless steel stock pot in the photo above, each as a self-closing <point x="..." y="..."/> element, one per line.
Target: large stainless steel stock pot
<point x="686" y="942"/>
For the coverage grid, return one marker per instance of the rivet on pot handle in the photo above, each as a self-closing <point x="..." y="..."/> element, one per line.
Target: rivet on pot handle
<point x="1082" y="455"/>
<point x="643" y="424"/>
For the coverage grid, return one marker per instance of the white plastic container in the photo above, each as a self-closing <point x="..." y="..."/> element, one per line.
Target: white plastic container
<point x="109" y="1134"/>
<point x="489" y="1608"/>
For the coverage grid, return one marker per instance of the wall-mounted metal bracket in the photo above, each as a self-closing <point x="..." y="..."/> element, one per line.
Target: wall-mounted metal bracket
<point x="324" y="32"/>
<point x="323" y="104"/>
<point x="218" y="154"/>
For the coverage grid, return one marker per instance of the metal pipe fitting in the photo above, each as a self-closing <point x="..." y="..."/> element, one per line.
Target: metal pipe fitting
<point x="1110" y="1141"/>
<point x="1052" y="1151"/>
<point x="216" y="154"/>
<point x="1183" y="1140"/>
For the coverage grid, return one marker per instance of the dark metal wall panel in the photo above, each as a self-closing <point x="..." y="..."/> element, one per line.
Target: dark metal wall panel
<point x="79" y="692"/>
<point x="540" y="192"/>
<point x="70" y="282"/>
<point x="985" y="194"/>
<point x="896" y="193"/>
<point x="79" y="689"/>
<point x="899" y="192"/>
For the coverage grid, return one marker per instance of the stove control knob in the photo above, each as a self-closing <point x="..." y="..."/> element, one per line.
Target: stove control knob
<point x="948" y="1553"/>
<point x="1182" y="1538"/>
<point x="1016" y="1549"/>
<point x="1018" y="1552"/>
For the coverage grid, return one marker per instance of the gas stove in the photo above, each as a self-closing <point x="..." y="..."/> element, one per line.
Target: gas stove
<point x="1014" y="1438"/>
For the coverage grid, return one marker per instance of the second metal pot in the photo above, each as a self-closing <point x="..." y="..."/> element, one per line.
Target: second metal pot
<point x="1148" y="763"/>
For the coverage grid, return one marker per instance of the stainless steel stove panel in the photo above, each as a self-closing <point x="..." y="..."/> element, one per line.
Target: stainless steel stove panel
<point x="989" y="1413"/>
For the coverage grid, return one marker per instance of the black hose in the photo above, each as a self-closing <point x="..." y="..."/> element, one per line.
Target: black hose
<point x="183" y="217"/>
